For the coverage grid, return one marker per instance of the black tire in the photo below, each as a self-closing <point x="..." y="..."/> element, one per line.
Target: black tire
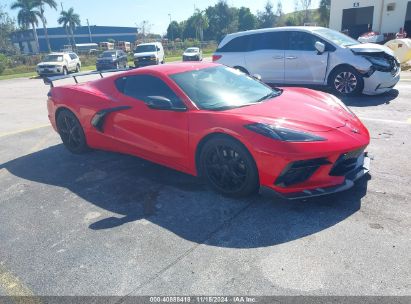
<point x="244" y="70"/>
<point x="65" y="71"/>
<point x="71" y="132"/>
<point x="228" y="167"/>
<point x="78" y="68"/>
<point x="346" y="81"/>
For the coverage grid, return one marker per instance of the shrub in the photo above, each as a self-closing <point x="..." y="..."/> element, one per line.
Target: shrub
<point x="3" y="63"/>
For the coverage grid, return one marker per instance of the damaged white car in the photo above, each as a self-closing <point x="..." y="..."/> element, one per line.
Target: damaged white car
<point x="311" y="56"/>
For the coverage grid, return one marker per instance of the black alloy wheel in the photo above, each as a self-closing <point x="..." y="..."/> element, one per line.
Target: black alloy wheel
<point x="71" y="132"/>
<point x="229" y="168"/>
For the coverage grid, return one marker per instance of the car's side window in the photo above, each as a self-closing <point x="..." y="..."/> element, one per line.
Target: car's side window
<point x="267" y="41"/>
<point x="301" y="41"/>
<point x="72" y="56"/>
<point x="142" y="86"/>
<point x="239" y="44"/>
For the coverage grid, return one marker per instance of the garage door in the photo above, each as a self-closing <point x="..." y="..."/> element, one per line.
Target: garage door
<point x="357" y="20"/>
<point x="407" y="26"/>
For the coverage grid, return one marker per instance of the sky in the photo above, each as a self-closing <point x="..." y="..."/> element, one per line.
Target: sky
<point x="133" y="12"/>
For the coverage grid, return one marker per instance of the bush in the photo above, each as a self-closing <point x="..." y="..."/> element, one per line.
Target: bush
<point x="3" y="63"/>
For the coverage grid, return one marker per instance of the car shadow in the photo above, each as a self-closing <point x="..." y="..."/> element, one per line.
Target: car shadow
<point x="136" y="190"/>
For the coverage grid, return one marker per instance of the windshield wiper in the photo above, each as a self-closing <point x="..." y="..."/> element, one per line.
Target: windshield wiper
<point x="271" y="95"/>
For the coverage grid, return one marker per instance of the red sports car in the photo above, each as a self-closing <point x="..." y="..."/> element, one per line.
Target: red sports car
<point x="213" y="121"/>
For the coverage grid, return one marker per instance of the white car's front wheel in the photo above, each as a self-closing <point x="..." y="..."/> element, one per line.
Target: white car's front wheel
<point x="346" y="81"/>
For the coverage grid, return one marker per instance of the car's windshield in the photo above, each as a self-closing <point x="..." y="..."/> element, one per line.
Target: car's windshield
<point x="108" y="55"/>
<point x="222" y="88"/>
<point x="145" y="48"/>
<point x="53" y="58"/>
<point x="338" y="38"/>
<point x="191" y="50"/>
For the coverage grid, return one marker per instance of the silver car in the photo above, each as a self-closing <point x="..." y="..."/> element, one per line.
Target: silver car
<point x="311" y="56"/>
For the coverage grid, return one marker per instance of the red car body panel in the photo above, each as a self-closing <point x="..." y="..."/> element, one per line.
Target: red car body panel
<point x="173" y="138"/>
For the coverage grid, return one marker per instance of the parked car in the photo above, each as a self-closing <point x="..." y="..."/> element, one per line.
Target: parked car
<point x="193" y="54"/>
<point x="311" y="56"/>
<point x="112" y="60"/>
<point x="149" y="54"/>
<point x="213" y="121"/>
<point x="59" y="63"/>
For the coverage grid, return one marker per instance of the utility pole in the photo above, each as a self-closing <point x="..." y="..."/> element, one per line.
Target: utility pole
<point x="89" y="32"/>
<point x="171" y="30"/>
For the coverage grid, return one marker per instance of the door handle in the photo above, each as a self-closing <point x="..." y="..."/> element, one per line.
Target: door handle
<point x="291" y="57"/>
<point x="278" y="57"/>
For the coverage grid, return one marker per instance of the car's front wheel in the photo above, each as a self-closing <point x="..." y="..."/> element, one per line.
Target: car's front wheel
<point x="78" y="68"/>
<point x="71" y="132"/>
<point x="346" y="81"/>
<point x="228" y="167"/>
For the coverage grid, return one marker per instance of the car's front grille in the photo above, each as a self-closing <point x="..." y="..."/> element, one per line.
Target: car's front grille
<point x="47" y="66"/>
<point x="145" y="59"/>
<point x="300" y="171"/>
<point x="346" y="163"/>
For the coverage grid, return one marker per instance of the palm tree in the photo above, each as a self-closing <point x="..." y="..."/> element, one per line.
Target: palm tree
<point x="70" y="21"/>
<point x="27" y="16"/>
<point x="40" y="4"/>
<point x="200" y="23"/>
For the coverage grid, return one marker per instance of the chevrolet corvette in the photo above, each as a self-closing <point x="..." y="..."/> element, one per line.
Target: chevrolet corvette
<point x="215" y="122"/>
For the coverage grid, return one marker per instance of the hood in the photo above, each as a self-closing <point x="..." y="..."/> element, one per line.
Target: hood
<point x="146" y="54"/>
<point x="370" y="48"/>
<point x="51" y="63"/>
<point x="301" y="109"/>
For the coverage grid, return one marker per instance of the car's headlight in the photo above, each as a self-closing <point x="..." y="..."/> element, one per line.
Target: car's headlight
<point x="379" y="63"/>
<point x="283" y="134"/>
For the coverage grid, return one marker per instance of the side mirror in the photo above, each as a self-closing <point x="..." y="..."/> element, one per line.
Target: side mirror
<point x="159" y="103"/>
<point x="320" y="47"/>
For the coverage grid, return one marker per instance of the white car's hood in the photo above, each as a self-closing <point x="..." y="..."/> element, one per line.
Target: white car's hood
<point x="370" y="48"/>
<point x="146" y="54"/>
<point x="51" y="63"/>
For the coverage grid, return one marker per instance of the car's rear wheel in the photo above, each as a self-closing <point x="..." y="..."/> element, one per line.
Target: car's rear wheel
<point x="346" y="81"/>
<point x="78" y="68"/>
<point x="65" y="71"/>
<point x="71" y="132"/>
<point x="228" y="167"/>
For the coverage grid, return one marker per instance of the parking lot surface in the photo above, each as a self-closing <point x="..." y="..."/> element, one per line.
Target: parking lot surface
<point x="109" y="224"/>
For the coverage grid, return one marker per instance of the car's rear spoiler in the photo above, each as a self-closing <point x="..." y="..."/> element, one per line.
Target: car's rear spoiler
<point x="50" y="80"/>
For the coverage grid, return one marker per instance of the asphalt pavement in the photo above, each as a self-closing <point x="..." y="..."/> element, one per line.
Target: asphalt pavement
<point x="110" y="224"/>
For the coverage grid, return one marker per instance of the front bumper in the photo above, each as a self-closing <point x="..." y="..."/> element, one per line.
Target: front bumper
<point x="49" y="71"/>
<point x="380" y="82"/>
<point x="146" y="62"/>
<point x="362" y="168"/>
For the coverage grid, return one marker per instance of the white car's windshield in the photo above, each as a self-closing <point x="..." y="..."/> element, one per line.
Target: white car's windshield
<point x="53" y="58"/>
<point x="145" y="48"/>
<point x="338" y="38"/>
<point x="192" y="51"/>
<point x="223" y="88"/>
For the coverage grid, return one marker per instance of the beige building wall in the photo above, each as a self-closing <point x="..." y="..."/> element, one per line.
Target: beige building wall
<point x="384" y="21"/>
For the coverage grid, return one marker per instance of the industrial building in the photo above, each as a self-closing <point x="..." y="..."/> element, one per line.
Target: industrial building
<point x="358" y="16"/>
<point x="25" y="41"/>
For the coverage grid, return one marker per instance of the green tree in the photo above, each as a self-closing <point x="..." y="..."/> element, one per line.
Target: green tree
<point x="246" y="19"/>
<point x="267" y="18"/>
<point x="3" y="63"/>
<point x="279" y="12"/>
<point x="200" y="21"/>
<point x="222" y="20"/>
<point x="6" y="28"/>
<point x="306" y="4"/>
<point x="174" y="30"/>
<point x="41" y="6"/>
<point x="27" y="16"/>
<point x="324" y="11"/>
<point x="70" y="21"/>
